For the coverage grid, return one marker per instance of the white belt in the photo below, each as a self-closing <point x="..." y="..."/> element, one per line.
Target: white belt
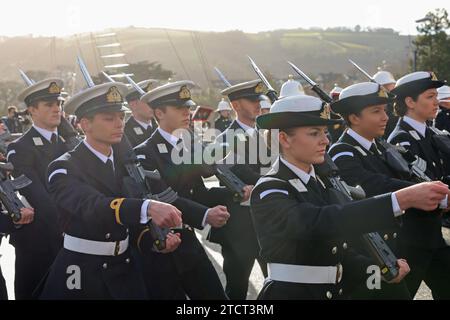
<point x="99" y="248"/>
<point x="305" y="274"/>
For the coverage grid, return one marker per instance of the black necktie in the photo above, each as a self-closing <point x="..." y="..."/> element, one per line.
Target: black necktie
<point x="110" y="165"/>
<point x="314" y="185"/>
<point x="54" y="138"/>
<point x="375" y="150"/>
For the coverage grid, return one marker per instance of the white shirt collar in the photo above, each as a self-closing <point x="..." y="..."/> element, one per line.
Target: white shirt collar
<point x="360" y="139"/>
<point x="304" y="176"/>
<point x="249" y="130"/>
<point x="143" y="124"/>
<point x="45" y="133"/>
<point x="100" y="155"/>
<point x="418" y="126"/>
<point x="168" y="137"/>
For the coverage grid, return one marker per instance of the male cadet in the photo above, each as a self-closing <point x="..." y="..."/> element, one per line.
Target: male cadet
<point x="238" y="239"/>
<point x="87" y="186"/>
<point x="387" y="80"/>
<point x="141" y="124"/>
<point x="224" y="119"/>
<point x="171" y="103"/>
<point x="361" y="161"/>
<point x="442" y="120"/>
<point x="38" y="243"/>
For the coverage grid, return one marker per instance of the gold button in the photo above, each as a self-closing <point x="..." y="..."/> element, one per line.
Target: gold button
<point x="329" y="295"/>
<point x="127" y="260"/>
<point x="341" y="292"/>
<point x="345" y="246"/>
<point x="395" y="235"/>
<point x="108" y="235"/>
<point x="105" y="265"/>
<point x="386" y="237"/>
<point x="334" y="250"/>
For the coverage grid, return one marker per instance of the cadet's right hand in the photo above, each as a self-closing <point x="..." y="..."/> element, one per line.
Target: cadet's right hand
<point x="403" y="270"/>
<point x="27" y="216"/>
<point x="164" y="215"/>
<point x="218" y="216"/>
<point x="173" y="240"/>
<point x="425" y="196"/>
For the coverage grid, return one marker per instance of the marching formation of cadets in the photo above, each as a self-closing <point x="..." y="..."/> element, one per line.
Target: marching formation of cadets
<point x="81" y="220"/>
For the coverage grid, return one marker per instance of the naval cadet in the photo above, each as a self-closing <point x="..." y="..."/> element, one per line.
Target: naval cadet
<point x="87" y="187"/>
<point x="302" y="233"/>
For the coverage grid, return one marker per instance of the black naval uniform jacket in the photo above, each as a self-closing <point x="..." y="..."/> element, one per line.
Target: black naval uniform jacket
<point x="222" y="123"/>
<point x="412" y="140"/>
<point x="422" y="230"/>
<point x="248" y="170"/>
<point x="295" y="225"/>
<point x="30" y="155"/>
<point x="137" y="134"/>
<point x="92" y="206"/>
<point x="359" y="166"/>
<point x="239" y="231"/>
<point x="37" y="243"/>
<point x="186" y="180"/>
<point x="442" y="121"/>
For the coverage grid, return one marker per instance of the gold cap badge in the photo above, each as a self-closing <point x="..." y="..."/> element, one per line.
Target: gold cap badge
<point x="113" y="95"/>
<point x="148" y="87"/>
<point x="54" y="88"/>
<point x="382" y="92"/>
<point x="184" y="93"/>
<point x="433" y="76"/>
<point x="259" y="88"/>
<point x="326" y="112"/>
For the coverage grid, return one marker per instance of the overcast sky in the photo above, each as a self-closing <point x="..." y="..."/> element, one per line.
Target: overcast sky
<point x="56" y="18"/>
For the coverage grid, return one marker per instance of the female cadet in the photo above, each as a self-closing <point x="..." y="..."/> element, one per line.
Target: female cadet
<point x="301" y="232"/>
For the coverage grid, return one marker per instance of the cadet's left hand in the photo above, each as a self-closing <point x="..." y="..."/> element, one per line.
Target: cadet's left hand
<point x="218" y="216"/>
<point x="173" y="240"/>
<point x="403" y="270"/>
<point x="247" y="192"/>
<point x="27" y="216"/>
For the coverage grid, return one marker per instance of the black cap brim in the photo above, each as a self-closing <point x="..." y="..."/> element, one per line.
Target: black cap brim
<point x="355" y="104"/>
<point x="80" y="113"/>
<point x="416" y="87"/>
<point x="286" y="120"/>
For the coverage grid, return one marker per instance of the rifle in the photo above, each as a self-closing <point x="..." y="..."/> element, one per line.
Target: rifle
<point x="371" y="79"/>
<point x="271" y="93"/>
<point x="8" y="189"/>
<point x="137" y="185"/>
<point x="414" y="168"/>
<point x="314" y="86"/>
<point x="441" y="140"/>
<point x="342" y="193"/>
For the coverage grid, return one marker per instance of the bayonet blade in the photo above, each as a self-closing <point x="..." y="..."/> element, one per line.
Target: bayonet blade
<point x="134" y="85"/>
<point x="28" y="81"/>
<point x="362" y="71"/>
<point x="302" y="74"/>
<point x="87" y="77"/>
<point x="222" y="77"/>
<point x="261" y="75"/>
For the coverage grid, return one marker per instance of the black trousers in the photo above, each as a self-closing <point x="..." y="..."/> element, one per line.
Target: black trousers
<point x="30" y="269"/>
<point x="3" y="291"/>
<point x="203" y="283"/>
<point x="388" y="291"/>
<point x="237" y="268"/>
<point x="431" y="266"/>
